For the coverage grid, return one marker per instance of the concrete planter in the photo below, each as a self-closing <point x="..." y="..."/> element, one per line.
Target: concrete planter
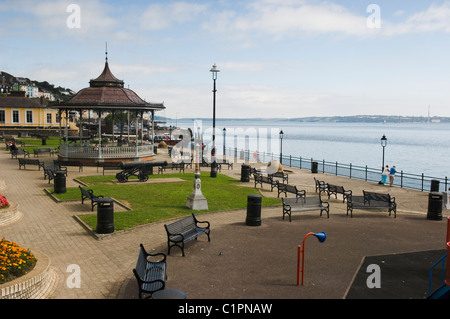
<point x="10" y="214"/>
<point x="39" y="283"/>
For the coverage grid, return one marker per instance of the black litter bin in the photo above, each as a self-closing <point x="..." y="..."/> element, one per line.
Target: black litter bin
<point x="435" y="201"/>
<point x="60" y="182"/>
<point x="253" y="210"/>
<point x="105" y="215"/>
<point x="434" y="185"/>
<point x="314" y="167"/>
<point x="44" y="141"/>
<point x="245" y="173"/>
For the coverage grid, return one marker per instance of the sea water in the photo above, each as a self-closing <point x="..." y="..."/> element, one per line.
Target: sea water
<point x="414" y="148"/>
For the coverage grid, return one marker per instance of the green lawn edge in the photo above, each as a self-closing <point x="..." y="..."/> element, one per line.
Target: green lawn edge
<point x="155" y="202"/>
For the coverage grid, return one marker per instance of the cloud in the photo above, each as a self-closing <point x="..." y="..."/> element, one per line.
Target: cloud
<point x="50" y="18"/>
<point x="163" y="16"/>
<point x="307" y="18"/>
<point x="287" y="18"/>
<point x="434" y="19"/>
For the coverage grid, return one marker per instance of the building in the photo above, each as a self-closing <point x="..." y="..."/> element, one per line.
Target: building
<point x="20" y="112"/>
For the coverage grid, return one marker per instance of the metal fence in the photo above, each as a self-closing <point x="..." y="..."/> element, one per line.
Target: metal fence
<point x="420" y="182"/>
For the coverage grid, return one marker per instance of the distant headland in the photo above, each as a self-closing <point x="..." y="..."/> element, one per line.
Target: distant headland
<point x="338" y="119"/>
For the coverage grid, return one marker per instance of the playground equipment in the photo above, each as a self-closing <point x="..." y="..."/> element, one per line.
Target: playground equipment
<point x="301" y="255"/>
<point x="443" y="292"/>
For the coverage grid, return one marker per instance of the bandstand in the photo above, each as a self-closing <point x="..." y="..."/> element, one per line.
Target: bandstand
<point x="106" y="95"/>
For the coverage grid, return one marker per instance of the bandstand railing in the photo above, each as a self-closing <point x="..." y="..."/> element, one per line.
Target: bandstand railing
<point x="69" y="151"/>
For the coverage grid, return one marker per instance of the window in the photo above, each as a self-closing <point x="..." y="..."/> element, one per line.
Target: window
<point x="29" y="117"/>
<point x="15" y="116"/>
<point x="49" y="118"/>
<point x="2" y="116"/>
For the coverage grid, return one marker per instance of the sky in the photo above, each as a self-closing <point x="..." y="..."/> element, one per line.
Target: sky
<point x="277" y="58"/>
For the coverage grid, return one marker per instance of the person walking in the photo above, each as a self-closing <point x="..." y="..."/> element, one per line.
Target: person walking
<point x="392" y="175"/>
<point x="385" y="174"/>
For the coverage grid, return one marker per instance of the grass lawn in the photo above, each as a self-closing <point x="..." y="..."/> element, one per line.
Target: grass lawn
<point x="152" y="202"/>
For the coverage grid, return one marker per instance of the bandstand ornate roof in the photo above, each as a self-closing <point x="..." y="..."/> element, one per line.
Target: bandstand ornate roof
<point x="108" y="93"/>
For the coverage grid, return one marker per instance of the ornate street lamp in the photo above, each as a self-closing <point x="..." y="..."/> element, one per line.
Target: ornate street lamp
<point x="281" y="146"/>
<point x="214" y="70"/>
<point x="383" y="144"/>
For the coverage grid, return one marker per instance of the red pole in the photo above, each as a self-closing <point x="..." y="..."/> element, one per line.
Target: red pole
<point x="447" y="273"/>
<point x="299" y="251"/>
<point x="301" y="255"/>
<point x="448" y="229"/>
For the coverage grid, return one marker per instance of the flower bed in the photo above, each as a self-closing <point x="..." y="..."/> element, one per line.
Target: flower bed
<point x="3" y="202"/>
<point x="14" y="261"/>
<point x="39" y="283"/>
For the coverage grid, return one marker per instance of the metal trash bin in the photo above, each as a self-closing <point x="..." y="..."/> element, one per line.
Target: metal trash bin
<point x="44" y="140"/>
<point x="253" y="210"/>
<point x="314" y="167"/>
<point x="60" y="182"/>
<point x="245" y="173"/>
<point x="105" y="216"/>
<point x="434" y="185"/>
<point x="435" y="201"/>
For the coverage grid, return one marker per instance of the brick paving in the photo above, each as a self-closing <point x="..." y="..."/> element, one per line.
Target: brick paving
<point x="106" y="265"/>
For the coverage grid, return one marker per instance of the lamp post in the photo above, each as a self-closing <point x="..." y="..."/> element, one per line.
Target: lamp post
<point x="301" y="255"/>
<point x="383" y="144"/>
<point x="224" y="147"/>
<point x="281" y="146"/>
<point x="214" y="72"/>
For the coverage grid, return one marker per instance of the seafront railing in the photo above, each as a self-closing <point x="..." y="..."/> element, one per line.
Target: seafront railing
<point x="420" y="182"/>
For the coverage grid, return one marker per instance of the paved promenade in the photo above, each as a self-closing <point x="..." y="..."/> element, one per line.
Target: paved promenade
<point x="239" y="262"/>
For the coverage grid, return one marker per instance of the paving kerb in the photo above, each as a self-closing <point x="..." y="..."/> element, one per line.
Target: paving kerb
<point x="106" y="265"/>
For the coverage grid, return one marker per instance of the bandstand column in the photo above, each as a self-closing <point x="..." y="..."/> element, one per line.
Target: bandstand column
<point x="100" y="134"/>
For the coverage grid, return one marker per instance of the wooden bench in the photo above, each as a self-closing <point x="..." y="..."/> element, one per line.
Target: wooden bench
<point x="304" y="204"/>
<point x="89" y="194"/>
<point x="286" y="188"/>
<point x="108" y="166"/>
<point x="50" y="171"/>
<point x="70" y="163"/>
<point x="185" y="230"/>
<point x="44" y="150"/>
<point x="224" y="163"/>
<point x="321" y="186"/>
<point x="150" y="272"/>
<point x="30" y="161"/>
<point x="334" y="189"/>
<point x="172" y="165"/>
<point x="372" y="200"/>
<point x="282" y="175"/>
<point x="262" y="179"/>
<point x="17" y="152"/>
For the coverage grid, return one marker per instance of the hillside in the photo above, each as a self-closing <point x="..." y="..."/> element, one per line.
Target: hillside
<point x="60" y="93"/>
